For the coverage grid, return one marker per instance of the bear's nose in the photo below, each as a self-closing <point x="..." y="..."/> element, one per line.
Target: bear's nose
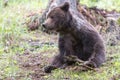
<point x="44" y="25"/>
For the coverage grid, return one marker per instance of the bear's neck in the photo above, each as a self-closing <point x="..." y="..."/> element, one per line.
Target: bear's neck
<point x="70" y="25"/>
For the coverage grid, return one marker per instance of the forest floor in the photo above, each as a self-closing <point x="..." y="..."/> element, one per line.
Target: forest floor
<point x="24" y="54"/>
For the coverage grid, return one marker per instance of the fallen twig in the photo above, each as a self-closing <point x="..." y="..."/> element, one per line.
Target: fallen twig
<point x="78" y="61"/>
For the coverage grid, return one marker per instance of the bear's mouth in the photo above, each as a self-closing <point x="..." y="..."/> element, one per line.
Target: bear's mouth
<point x="49" y="30"/>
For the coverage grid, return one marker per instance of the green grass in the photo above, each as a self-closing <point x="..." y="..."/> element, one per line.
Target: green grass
<point x="103" y="4"/>
<point x="12" y="31"/>
<point x="14" y="39"/>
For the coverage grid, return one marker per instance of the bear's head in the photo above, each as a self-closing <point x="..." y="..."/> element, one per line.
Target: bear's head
<point x="57" y="18"/>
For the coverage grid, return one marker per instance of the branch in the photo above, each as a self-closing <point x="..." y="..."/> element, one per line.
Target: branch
<point x="79" y="61"/>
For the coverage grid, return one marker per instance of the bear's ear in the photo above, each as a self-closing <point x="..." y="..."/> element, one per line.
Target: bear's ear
<point x="65" y="6"/>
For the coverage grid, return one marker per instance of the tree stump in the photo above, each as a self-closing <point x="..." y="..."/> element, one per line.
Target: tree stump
<point x="99" y="18"/>
<point x="54" y="3"/>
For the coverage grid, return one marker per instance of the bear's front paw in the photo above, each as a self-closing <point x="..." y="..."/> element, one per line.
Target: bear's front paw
<point x="48" y="69"/>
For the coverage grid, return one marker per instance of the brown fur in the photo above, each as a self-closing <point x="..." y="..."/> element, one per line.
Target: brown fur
<point x="76" y="37"/>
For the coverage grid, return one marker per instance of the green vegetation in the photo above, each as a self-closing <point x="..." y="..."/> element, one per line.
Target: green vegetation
<point x="103" y="4"/>
<point x="16" y="40"/>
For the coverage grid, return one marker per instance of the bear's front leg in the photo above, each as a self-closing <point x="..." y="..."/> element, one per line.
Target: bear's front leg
<point x="66" y="50"/>
<point x="58" y="62"/>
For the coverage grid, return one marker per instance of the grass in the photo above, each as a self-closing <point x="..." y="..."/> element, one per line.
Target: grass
<point x="12" y="31"/>
<point x="15" y="40"/>
<point x="103" y="4"/>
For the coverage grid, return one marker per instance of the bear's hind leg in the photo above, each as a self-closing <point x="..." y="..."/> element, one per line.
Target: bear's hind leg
<point x="96" y="61"/>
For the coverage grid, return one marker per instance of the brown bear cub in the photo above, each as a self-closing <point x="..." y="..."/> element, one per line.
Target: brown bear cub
<point x="76" y="37"/>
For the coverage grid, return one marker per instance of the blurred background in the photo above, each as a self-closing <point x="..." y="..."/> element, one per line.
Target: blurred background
<point x="25" y="49"/>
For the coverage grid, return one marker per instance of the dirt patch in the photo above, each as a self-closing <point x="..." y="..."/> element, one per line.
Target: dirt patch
<point x="33" y="64"/>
